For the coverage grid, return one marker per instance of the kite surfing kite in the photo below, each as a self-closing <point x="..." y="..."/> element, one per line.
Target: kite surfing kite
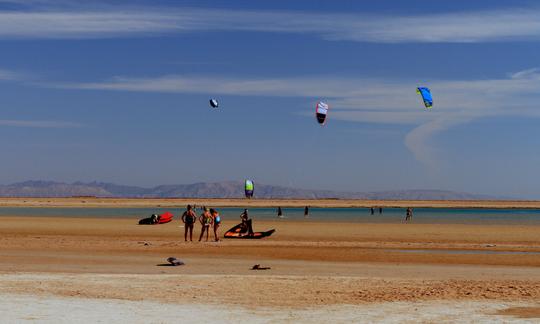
<point x="249" y="188"/>
<point x="426" y="96"/>
<point x="320" y="112"/>
<point x="214" y="103"/>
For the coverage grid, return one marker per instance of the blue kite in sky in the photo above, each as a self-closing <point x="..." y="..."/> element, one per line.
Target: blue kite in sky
<point x="426" y="96"/>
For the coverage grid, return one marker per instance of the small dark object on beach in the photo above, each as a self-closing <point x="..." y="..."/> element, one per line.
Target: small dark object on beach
<point x="175" y="262"/>
<point x="258" y="267"/>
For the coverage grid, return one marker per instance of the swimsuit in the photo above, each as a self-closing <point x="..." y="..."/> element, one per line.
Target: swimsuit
<point x="190" y="218"/>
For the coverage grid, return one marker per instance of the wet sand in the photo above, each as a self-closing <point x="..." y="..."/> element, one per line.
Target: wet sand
<point x="313" y="264"/>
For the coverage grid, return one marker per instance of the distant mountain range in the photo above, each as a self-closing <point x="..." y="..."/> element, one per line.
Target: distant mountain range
<point x="225" y="189"/>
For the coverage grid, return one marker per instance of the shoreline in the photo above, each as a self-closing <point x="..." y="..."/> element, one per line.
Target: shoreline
<point x="96" y="202"/>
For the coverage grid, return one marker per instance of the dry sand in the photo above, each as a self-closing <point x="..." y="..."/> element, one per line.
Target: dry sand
<point x="315" y="265"/>
<point x="216" y="202"/>
<point x="22" y="308"/>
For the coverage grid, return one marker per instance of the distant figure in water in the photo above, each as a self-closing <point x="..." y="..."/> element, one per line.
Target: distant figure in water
<point x="306" y="212"/>
<point x="372" y="210"/>
<point x="380" y="210"/>
<point x="188" y="218"/>
<point x="408" y="214"/>
<point x="279" y="212"/>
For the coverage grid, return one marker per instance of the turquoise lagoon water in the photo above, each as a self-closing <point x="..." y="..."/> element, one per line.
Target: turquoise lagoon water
<point x="389" y="215"/>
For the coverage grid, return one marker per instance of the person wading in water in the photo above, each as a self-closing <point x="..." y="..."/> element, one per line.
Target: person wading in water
<point x="408" y="215"/>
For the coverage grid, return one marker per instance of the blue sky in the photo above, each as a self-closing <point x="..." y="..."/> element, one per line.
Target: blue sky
<point x="119" y="92"/>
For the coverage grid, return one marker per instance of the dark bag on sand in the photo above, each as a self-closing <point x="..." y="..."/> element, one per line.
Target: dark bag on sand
<point x="150" y="220"/>
<point x="146" y="221"/>
<point x="175" y="262"/>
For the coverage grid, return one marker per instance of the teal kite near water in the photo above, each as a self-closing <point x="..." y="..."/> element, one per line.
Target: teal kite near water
<point x="249" y="188"/>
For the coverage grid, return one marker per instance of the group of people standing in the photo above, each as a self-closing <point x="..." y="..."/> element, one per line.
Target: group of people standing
<point x="211" y="218"/>
<point x="408" y="213"/>
<point x="208" y="218"/>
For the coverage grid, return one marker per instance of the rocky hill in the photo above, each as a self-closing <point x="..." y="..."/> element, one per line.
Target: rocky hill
<point x="226" y="189"/>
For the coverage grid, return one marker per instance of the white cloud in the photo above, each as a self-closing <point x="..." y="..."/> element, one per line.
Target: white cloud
<point x="38" y="123"/>
<point x="526" y="74"/>
<point x="113" y="21"/>
<point x="7" y="75"/>
<point x="368" y="100"/>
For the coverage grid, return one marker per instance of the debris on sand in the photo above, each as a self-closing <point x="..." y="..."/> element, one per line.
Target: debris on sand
<point x="175" y="262"/>
<point x="258" y="267"/>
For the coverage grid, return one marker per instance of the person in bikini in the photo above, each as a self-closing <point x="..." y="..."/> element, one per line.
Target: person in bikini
<point x="206" y="220"/>
<point x="217" y="221"/>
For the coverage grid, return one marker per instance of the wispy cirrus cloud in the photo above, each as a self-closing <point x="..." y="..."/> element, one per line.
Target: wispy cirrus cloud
<point x="367" y="100"/>
<point x="8" y="75"/>
<point x="38" y="123"/>
<point x="79" y="21"/>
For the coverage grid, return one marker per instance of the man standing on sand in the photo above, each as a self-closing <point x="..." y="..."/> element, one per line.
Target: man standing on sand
<point x="372" y="210"/>
<point x="279" y="212"/>
<point x="306" y="212"/>
<point x="188" y="218"/>
<point x="247" y="225"/>
<point x="380" y="210"/>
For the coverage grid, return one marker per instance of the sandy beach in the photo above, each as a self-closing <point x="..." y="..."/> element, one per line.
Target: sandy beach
<point x="241" y="202"/>
<point x="313" y="265"/>
<point x="364" y="161"/>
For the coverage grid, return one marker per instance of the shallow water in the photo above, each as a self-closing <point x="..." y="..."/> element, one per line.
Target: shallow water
<point x="362" y="215"/>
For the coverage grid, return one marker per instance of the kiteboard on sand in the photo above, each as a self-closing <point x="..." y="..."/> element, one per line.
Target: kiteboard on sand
<point x="236" y="232"/>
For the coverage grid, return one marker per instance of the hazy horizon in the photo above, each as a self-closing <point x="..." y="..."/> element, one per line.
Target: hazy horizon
<point x="258" y="185"/>
<point x="119" y="93"/>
